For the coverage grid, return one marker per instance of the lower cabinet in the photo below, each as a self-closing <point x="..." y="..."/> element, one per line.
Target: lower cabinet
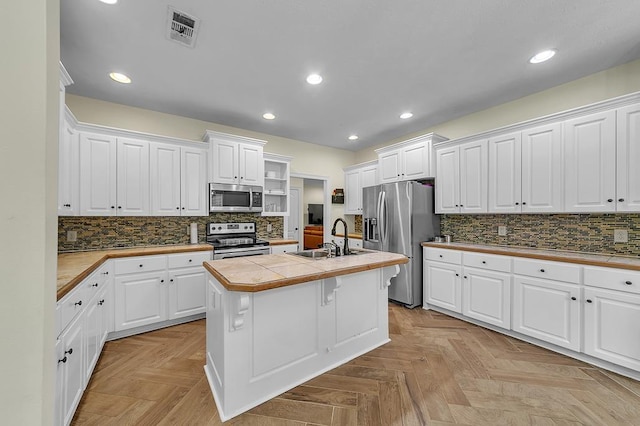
<point x="187" y="292"/>
<point x="70" y="377"/>
<point x="486" y="296"/>
<point x="140" y="299"/>
<point x="443" y="286"/>
<point x="547" y="310"/>
<point x="284" y="248"/>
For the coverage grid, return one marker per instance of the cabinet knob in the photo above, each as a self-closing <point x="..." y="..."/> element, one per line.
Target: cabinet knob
<point x="100" y="303"/>
<point x="457" y="205"/>
<point x="171" y="280"/>
<point x="461" y="205"/>
<point x="484" y="262"/>
<point x="63" y="360"/>
<point x="105" y="273"/>
<point x="113" y="207"/>
<point x="541" y="270"/>
<point x="70" y="351"/>
<point x="178" y="208"/>
<point x="465" y="277"/>
<point x="79" y="303"/>
<point x="628" y="282"/>
<point x="457" y="275"/>
<point x="619" y="199"/>
<point x="235" y="177"/>
<point x="190" y="260"/>
<point x="94" y="285"/>
<point x="119" y="207"/>
<point x="183" y="208"/>
<point x="589" y="301"/>
<point x="140" y="265"/>
<point x="517" y="204"/>
<point x="161" y="281"/>
<point x="524" y="203"/>
<point x="610" y="200"/>
<point x="573" y="298"/>
<point x="67" y="205"/>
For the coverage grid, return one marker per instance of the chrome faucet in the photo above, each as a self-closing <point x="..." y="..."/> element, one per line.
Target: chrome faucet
<point x="345" y="250"/>
<point x="334" y="250"/>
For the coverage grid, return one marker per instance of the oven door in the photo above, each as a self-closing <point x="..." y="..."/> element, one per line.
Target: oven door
<point x="240" y="252"/>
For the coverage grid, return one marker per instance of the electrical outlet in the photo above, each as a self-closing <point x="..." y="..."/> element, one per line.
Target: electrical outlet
<point x="620" y="236"/>
<point x="72" y="236"/>
<point x="269" y="227"/>
<point x="502" y="230"/>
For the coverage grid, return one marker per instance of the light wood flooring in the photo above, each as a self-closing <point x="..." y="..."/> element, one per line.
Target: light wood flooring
<point x="436" y="370"/>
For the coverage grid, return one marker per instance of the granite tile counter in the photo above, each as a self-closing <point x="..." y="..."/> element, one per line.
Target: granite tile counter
<point x="592" y="259"/>
<point x="75" y="267"/>
<point x="281" y="241"/>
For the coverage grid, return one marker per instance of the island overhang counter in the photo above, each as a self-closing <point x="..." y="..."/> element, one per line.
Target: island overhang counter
<point x="276" y="321"/>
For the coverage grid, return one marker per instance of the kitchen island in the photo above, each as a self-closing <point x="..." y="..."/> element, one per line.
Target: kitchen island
<point x="276" y="321"/>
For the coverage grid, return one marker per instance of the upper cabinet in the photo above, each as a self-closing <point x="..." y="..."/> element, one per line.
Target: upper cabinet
<point x="276" y="185"/>
<point x="461" y="178"/>
<point x="408" y="160"/>
<point x="68" y="161"/>
<point x="355" y="178"/>
<point x="235" y="159"/>
<point x="97" y="175"/>
<point x="580" y="161"/>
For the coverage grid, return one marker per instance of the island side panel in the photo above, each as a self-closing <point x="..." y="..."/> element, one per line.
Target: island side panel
<point x="276" y="339"/>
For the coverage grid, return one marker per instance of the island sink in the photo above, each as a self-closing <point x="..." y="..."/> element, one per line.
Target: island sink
<point x="318" y="254"/>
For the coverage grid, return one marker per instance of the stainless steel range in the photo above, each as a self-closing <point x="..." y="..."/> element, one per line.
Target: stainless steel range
<point x="235" y="240"/>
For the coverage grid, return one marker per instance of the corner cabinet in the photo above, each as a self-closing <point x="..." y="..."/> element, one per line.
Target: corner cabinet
<point x="407" y="160"/>
<point x="276" y="185"/>
<point x="68" y="161"/>
<point x="355" y="178"/>
<point x="235" y="159"/>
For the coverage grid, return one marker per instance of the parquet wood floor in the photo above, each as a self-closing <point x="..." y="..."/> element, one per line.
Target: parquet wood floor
<point x="436" y="370"/>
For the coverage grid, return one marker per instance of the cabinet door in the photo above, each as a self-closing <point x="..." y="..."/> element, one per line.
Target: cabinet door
<point x="505" y="173"/>
<point x="547" y="310"/>
<point x="140" y="299"/>
<point x="442" y="286"/>
<point x="133" y="177"/>
<point x="612" y="326"/>
<point x="92" y="336"/>
<point x="473" y="177"/>
<point x="590" y="163"/>
<point x="73" y="374"/>
<point x="486" y="296"/>
<point x="628" y="152"/>
<point x="415" y="161"/>
<point x="251" y="165"/>
<point x="286" y="248"/>
<point x="369" y="176"/>
<point x="164" y="169"/>
<point x="187" y="292"/>
<point x="448" y="180"/>
<point x="224" y="162"/>
<point x="68" y="171"/>
<point x="193" y="182"/>
<point x="389" y="166"/>
<point x="542" y="177"/>
<point x="59" y="390"/>
<point x="353" y="192"/>
<point x="97" y="175"/>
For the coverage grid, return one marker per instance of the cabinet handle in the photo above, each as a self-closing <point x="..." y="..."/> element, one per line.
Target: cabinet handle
<point x="119" y="207"/>
<point x="524" y="203"/>
<point x="94" y="285"/>
<point x="141" y="265"/>
<point x="619" y="199"/>
<point x="517" y="204"/>
<point x="63" y="360"/>
<point x="484" y="262"/>
<point x="589" y="301"/>
<point x="78" y="303"/>
<point x="610" y="200"/>
<point x="100" y="303"/>
<point x="573" y="298"/>
<point x="70" y="351"/>
<point x="113" y="207"/>
<point x="105" y="273"/>
<point x="190" y="260"/>
<point x="628" y="282"/>
<point x="541" y="270"/>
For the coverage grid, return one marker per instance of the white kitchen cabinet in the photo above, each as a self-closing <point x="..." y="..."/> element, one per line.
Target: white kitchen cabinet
<point x="187" y="292"/>
<point x="276" y="185"/>
<point x="97" y="175"/>
<point x="462" y="178"/>
<point x="505" y="173"/>
<point x="70" y="370"/>
<point x="284" y="248"/>
<point x="355" y="178"/>
<point x="235" y="159"/>
<point x="132" y="178"/>
<point x="547" y="310"/>
<point x="68" y="171"/>
<point x="590" y="163"/>
<point x="628" y="159"/>
<point x="140" y="299"/>
<point x="442" y="279"/>
<point x="612" y="326"/>
<point x="407" y="160"/>
<point x="178" y="180"/>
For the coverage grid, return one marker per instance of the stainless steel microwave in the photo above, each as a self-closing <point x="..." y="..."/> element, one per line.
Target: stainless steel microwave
<point x="234" y="198"/>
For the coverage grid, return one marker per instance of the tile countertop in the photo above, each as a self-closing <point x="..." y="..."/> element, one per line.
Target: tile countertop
<point x="258" y="273"/>
<point x="351" y="235"/>
<point x="280" y="241"/>
<point x="75" y="267"/>
<point x="592" y="259"/>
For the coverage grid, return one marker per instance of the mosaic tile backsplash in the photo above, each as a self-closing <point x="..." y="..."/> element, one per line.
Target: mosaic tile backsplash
<point x="358" y="224"/>
<point x="592" y="233"/>
<point x="99" y="232"/>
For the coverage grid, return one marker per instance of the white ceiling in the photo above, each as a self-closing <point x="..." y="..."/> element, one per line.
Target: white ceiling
<point x="439" y="59"/>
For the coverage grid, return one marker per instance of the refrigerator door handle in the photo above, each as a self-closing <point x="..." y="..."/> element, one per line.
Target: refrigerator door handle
<point x="383" y="217"/>
<point x="365" y="237"/>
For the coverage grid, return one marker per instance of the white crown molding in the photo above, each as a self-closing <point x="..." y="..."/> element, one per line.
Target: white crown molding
<point x="605" y="105"/>
<point x="277" y="157"/>
<point x="65" y="78"/>
<point x="433" y="137"/>
<point x="210" y="135"/>
<point x="360" y="165"/>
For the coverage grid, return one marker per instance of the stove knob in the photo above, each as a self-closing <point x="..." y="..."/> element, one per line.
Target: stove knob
<point x="245" y="227"/>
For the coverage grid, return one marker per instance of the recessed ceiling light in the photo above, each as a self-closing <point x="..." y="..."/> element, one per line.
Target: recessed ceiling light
<point x="314" y="79"/>
<point x="109" y="1"/>
<point x="406" y="115"/>
<point x="119" y="77"/>
<point x="545" y="55"/>
<point x="268" y="116"/>
<point x="353" y="137"/>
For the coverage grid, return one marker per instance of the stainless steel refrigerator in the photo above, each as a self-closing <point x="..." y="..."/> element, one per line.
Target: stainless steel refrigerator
<point x="397" y="217"/>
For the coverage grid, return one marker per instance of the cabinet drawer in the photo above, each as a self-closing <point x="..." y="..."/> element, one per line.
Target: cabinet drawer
<point x="96" y="281"/>
<point x="443" y="255"/>
<point x="185" y="260"/>
<point x="548" y="270"/>
<point x="70" y="306"/>
<point x="487" y="261"/>
<point x="140" y="264"/>
<point x="614" y="279"/>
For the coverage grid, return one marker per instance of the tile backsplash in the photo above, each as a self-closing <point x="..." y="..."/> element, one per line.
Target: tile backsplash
<point x="100" y="232"/>
<point x="591" y="233"/>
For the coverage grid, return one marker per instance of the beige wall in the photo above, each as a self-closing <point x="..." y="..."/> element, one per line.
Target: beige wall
<point x="593" y="88"/>
<point x="28" y="218"/>
<point x="307" y="158"/>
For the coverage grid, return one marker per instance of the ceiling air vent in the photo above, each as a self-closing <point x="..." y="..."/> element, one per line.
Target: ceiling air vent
<point x="182" y="28"/>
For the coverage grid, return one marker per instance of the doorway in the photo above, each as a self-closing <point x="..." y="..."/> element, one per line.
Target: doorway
<point x="319" y="186"/>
